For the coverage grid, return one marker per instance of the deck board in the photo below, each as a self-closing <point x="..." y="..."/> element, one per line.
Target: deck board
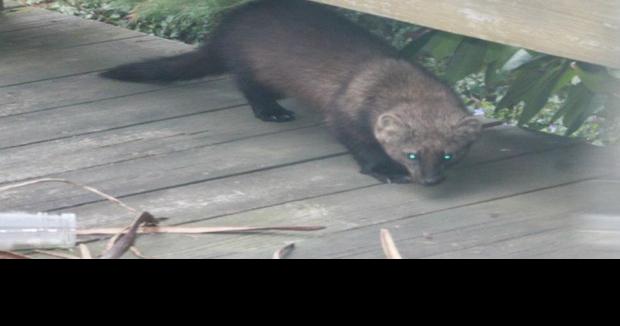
<point x="68" y="32"/>
<point x="194" y="153"/>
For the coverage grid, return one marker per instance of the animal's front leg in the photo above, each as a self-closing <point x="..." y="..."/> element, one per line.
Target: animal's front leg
<point x="374" y="162"/>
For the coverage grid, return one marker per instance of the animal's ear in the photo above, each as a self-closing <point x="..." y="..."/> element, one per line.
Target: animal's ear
<point x="468" y="130"/>
<point x="390" y="128"/>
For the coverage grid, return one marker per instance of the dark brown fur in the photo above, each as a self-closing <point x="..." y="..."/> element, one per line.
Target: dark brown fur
<point x="380" y="106"/>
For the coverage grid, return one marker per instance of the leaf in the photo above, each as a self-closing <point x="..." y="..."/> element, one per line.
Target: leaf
<point x="518" y="59"/>
<point x="389" y="247"/>
<point x="284" y="251"/>
<point x="538" y="95"/>
<point x="577" y="103"/>
<point x="518" y="89"/>
<point x="527" y="76"/>
<point x="468" y="59"/>
<point x="128" y="236"/>
<point x="499" y="54"/>
<point x="564" y="80"/>
<point x="492" y="76"/>
<point x="413" y="48"/>
<point x="84" y="251"/>
<point x="443" y="45"/>
<point x="599" y="81"/>
<point x="588" y="107"/>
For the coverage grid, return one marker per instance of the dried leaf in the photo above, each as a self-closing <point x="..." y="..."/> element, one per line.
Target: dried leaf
<point x="127" y="236"/>
<point x="389" y="248"/>
<point x="196" y="230"/>
<point x="12" y="255"/>
<point x="284" y="251"/>
<point x="84" y="251"/>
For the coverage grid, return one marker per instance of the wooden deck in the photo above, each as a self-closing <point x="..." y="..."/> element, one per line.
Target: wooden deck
<point x="194" y="153"/>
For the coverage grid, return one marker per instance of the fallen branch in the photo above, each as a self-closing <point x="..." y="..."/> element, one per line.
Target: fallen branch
<point x="196" y="230"/>
<point x="284" y="251"/>
<point x="389" y="248"/>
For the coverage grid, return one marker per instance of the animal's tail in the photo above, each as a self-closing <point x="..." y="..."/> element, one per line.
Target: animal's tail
<point x="186" y="66"/>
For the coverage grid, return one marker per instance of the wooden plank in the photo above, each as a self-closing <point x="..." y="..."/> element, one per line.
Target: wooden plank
<point x="34" y="65"/>
<point x="28" y="17"/>
<point x="116" y="113"/>
<point x="161" y="147"/>
<point x="535" y="224"/>
<point x="83" y="89"/>
<point x="196" y="164"/>
<point x="141" y="141"/>
<point x="582" y="30"/>
<point x="72" y="32"/>
<point x="109" y="47"/>
<point x="229" y="201"/>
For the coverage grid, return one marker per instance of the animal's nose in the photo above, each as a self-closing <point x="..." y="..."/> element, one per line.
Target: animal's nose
<point x="431" y="181"/>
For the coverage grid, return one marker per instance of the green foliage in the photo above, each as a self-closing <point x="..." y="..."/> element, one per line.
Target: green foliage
<point x="185" y="20"/>
<point x="530" y="89"/>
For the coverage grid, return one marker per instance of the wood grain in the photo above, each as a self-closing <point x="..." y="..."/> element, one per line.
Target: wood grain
<point x="581" y="30"/>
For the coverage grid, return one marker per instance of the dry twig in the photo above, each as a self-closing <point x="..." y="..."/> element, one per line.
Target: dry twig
<point x="389" y="248"/>
<point x="75" y="184"/>
<point x="12" y="255"/>
<point x="198" y="230"/>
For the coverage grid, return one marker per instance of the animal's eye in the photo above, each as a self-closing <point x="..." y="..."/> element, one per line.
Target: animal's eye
<point x="413" y="156"/>
<point x="448" y="157"/>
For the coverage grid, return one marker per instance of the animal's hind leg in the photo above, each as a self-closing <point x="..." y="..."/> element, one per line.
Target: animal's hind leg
<point x="263" y="101"/>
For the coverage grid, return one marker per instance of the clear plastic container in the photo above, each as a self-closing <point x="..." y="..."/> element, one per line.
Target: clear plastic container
<point x="36" y="231"/>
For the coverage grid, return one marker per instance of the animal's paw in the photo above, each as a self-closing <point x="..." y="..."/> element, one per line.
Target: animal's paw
<point x="276" y="115"/>
<point x="389" y="178"/>
<point x="387" y="173"/>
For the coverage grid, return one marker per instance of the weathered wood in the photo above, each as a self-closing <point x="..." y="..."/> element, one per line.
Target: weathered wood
<point x="216" y="203"/>
<point x="85" y="89"/>
<point x="117" y="160"/>
<point x="28" y="17"/>
<point x="558" y="222"/>
<point x="33" y="64"/>
<point x="71" y="32"/>
<point x="371" y="207"/>
<point x="116" y="113"/>
<point x="581" y="30"/>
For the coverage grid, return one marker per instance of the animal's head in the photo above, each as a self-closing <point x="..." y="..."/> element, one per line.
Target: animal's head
<point x="426" y="147"/>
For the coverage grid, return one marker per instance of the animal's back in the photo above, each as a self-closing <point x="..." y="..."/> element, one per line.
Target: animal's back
<point x="298" y="48"/>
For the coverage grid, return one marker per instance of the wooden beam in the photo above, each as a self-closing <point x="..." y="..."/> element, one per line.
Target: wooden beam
<point x="577" y="29"/>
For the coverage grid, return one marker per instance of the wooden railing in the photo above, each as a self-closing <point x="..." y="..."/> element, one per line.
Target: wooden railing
<point x="586" y="30"/>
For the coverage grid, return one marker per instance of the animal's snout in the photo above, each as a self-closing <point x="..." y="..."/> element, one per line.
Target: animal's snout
<point x="433" y="180"/>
